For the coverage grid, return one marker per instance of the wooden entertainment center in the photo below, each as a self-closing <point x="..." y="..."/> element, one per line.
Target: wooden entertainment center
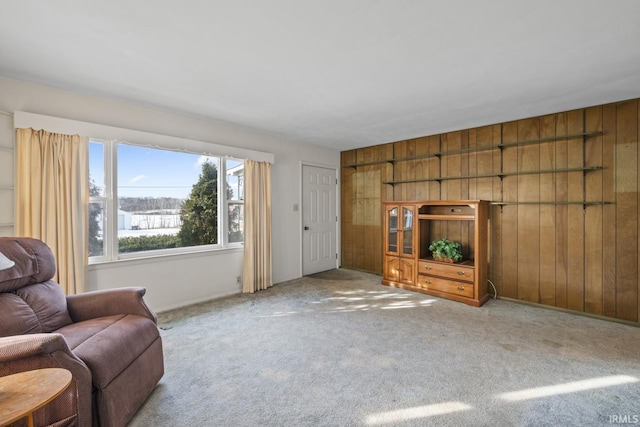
<point x="409" y="229"/>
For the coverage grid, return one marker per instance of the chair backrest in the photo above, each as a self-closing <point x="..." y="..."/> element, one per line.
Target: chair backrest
<point x="34" y="262"/>
<point x="30" y="302"/>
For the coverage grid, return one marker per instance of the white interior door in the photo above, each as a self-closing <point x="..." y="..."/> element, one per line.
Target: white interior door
<point x="319" y="220"/>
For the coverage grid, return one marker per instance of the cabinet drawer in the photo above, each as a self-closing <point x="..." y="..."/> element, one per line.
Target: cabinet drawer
<point x="453" y="271"/>
<point x="444" y="285"/>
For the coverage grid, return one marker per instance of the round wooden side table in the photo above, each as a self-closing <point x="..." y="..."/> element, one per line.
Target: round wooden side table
<point x="23" y="393"/>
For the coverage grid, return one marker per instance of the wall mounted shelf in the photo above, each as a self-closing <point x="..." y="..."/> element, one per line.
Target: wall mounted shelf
<point x="575" y="202"/>
<point x="375" y="162"/>
<point x="477" y="149"/>
<point x="502" y="174"/>
<point x="499" y="175"/>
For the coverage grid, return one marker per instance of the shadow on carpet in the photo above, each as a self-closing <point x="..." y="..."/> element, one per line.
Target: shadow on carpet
<point x="335" y="274"/>
<point x="356" y="353"/>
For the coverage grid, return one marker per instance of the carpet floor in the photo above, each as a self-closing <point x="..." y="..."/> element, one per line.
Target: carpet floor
<point x="340" y="349"/>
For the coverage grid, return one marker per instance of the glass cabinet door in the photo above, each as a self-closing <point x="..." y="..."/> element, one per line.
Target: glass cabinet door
<point x="392" y="227"/>
<point x="407" y="231"/>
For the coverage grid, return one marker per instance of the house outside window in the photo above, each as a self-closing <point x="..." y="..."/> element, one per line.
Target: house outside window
<point x="145" y="200"/>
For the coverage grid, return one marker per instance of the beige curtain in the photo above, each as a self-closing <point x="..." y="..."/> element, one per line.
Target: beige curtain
<point x="256" y="272"/>
<point x="52" y="197"/>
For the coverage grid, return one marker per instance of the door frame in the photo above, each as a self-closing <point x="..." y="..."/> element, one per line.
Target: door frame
<point x="304" y="163"/>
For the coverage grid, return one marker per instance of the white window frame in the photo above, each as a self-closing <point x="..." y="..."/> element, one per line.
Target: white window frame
<point x="110" y="197"/>
<point x="227" y="202"/>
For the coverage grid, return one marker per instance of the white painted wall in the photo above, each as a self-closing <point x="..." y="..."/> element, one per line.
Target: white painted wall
<point x="7" y="178"/>
<point x="177" y="280"/>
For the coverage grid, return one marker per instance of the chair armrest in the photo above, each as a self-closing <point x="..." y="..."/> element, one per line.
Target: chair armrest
<point x="21" y="353"/>
<point x="32" y="345"/>
<point x="91" y="305"/>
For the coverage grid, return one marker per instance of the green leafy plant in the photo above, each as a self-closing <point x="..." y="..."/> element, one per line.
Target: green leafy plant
<point x="445" y="250"/>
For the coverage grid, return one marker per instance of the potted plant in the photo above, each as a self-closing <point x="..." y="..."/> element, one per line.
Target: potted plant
<point x="445" y="250"/>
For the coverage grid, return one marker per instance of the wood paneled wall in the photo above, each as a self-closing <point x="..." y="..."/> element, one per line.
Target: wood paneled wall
<point x="543" y="248"/>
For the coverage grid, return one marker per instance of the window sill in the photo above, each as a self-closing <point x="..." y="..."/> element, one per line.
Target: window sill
<point x="150" y="258"/>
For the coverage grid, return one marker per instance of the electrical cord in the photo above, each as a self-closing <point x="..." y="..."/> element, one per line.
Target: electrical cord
<point x="495" y="292"/>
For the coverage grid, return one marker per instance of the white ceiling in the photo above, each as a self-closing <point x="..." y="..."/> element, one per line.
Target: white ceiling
<point x="338" y="73"/>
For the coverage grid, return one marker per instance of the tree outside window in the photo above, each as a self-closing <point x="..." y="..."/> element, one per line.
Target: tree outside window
<point x="163" y="200"/>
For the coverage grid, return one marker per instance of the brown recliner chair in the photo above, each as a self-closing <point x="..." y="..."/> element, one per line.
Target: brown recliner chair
<point x="109" y="340"/>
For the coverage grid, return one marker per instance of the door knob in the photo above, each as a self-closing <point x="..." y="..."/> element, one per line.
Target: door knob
<point x="306" y="228"/>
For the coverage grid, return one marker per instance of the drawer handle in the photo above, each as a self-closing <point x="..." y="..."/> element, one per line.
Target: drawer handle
<point x="427" y="267"/>
<point x="460" y="273"/>
<point x="428" y="282"/>
<point x="460" y="288"/>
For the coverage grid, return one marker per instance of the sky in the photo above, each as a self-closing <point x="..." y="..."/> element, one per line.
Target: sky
<point x="150" y="172"/>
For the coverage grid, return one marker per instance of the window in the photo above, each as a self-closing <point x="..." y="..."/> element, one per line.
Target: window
<point x="146" y="199"/>
<point x="235" y="200"/>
